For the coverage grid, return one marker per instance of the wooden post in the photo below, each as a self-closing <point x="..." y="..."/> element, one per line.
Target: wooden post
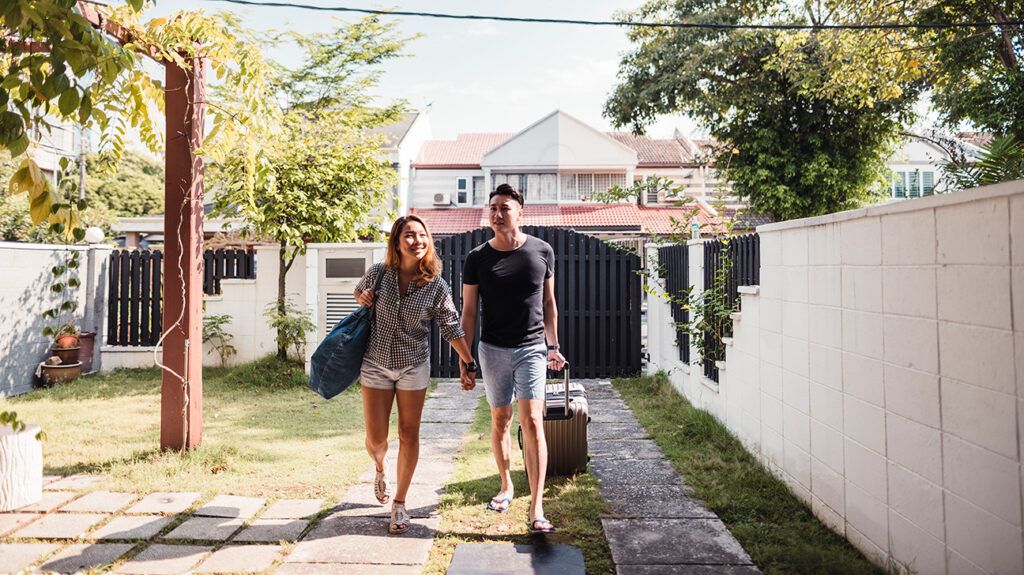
<point x="181" y="406"/>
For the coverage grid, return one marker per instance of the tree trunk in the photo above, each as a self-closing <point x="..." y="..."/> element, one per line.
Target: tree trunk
<point x="282" y="271"/>
<point x="21" y="467"/>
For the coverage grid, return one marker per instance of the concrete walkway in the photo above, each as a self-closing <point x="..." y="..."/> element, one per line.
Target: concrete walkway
<point x="654" y="525"/>
<point x="71" y="530"/>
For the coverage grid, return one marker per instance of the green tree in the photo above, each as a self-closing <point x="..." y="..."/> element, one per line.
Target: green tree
<point x="326" y="177"/>
<point x="979" y="73"/>
<point x="789" y="152"/>
<point x="134" y="188"/>
<point x="54" y="63"/>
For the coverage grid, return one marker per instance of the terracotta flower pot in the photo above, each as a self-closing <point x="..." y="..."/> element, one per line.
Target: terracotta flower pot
<point x="66" y="340"/>
<point x="62" y="373"/>
<point x="66" y="354"/>
<point x="86" y="345"/>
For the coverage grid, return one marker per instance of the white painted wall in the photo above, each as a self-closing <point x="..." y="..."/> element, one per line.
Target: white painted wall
<point x="409" y="147"/>
<point x="25" y="294"/>
<point x="879" y="371"/>
<point x="427" y="182"/>
<point x="559" y="141"/>
<point x="247" y="300"/>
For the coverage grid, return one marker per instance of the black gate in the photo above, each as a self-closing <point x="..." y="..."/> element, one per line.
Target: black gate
<point x="598" y="291"/>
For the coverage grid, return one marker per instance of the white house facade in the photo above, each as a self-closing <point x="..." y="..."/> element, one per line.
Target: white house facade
<point x="917" y="165"/>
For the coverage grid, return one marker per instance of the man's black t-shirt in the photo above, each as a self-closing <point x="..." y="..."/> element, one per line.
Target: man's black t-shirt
<point x="511" y="291"/>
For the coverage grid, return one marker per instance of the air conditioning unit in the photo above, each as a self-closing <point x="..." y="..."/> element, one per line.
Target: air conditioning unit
<point x="442" y="198"/>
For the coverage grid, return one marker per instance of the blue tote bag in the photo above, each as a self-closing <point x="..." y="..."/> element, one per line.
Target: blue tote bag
<point x="336" y="361"/>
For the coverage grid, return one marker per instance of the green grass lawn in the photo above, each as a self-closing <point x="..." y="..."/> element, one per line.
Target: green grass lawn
<point x="778" y="531"/>
<point x="265" y="434"/>
<point x="573" y="505"/>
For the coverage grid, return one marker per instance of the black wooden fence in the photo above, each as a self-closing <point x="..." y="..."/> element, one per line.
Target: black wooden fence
<point x="135" y="290"/>
<point x="675" y="264"/>
<point x="598" y="291"/>
<point x="728" y="264"/>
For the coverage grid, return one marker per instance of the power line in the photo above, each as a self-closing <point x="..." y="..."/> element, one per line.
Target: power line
<point x="628" y="23"/>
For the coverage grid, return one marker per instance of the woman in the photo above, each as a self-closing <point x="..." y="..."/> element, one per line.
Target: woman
<point x="397" y="361"/>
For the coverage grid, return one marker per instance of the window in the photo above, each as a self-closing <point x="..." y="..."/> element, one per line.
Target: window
<point x="928" y="179"/>
<point x="462" y="191"/>
<point x="576" y="187"/>
<point x="914" y="185"/>
<point x="479" y="197"/>
<point x="899" y="184"/>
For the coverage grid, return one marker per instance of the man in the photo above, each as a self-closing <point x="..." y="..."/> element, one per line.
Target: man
<point x="513" y="276"/>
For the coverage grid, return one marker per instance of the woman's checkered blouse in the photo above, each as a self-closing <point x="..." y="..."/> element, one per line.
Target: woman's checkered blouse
<point x="400" y="334"/>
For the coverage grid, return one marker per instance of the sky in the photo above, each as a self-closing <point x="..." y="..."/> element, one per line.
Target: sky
<point x="479" y="76"/>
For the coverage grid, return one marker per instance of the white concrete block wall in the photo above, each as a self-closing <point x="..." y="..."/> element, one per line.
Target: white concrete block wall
<point x="25" y="294"/>
<point x="879" y="371"/>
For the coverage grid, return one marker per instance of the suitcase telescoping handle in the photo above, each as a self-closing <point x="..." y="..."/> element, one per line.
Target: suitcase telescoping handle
<point x="565" y="376"/>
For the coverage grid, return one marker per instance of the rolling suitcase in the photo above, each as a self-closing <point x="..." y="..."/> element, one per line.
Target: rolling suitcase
<point x="566" y="415"/>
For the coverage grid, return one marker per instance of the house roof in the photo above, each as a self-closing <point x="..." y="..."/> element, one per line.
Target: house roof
<point x="655" y="152"/>
<point x="465" y="151"/>
<point x="468" y="150"/>
<point x="620" y="217"/>
<point x="395" y="132"/>
<point x="978" y="139"/>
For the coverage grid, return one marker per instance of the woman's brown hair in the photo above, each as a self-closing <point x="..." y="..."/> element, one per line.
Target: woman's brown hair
<point x="429" y="266"/>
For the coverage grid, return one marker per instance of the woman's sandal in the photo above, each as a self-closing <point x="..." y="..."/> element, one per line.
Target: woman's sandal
<point x="499" y="504"/>
<point x="400" y="520"/>
<point x="541" y="525"/>
<point x="380" y="484"/>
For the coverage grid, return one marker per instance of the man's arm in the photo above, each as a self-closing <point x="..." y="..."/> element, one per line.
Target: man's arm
<point x="469" y="309"/>
<point x="555" y="358"/>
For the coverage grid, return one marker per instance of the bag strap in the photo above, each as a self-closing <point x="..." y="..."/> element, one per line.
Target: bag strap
<point x="376" y="291"/>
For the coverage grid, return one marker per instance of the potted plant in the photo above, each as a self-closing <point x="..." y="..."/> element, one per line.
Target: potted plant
<point x="65" y="343"/>
<point x="21" y="462"/>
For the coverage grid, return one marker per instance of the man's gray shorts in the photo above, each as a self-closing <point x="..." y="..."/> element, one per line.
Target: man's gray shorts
<point x="513" y="371"/>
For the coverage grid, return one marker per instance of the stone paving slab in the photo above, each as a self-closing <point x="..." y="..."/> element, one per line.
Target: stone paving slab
<point x="429" y="471"/>
<point x="293" y="509"/>
<point x="75" y="482"/>
<point x="51" y="500"/>
<point x="438" y="415"/>
<point x="365" y="540"/>
<point x="600" y="431"/>
<point x="489" y="558"/>
<point x="345" y="569"/>
<point x="100" y="502"/>
<point x="84" y="556"/>
<point x="442" y="430"/>
<point x="161" y="559"/>
<point x="206" y="528"/>
<point x="164" y="503"/>
<point x="687" y="570"/>
<point x="60" y="526"/>
<point x="48" y="479"/>
<point x="672" y="542"/>
<point x="231" y="506"/>
<point x="240" y="559"/>
<point x="600" y="415"/>
<point x="652" y="501"/>
<point x="625" y="449"/>
<point x="645" y="471"/>
<point x="17" y="556"/>
<point x="132" y="527"/>
<point x="359" y="501"/>
<point x="272" y="530"/>
<point x="603" y="405"/>
<point x="11" y="521"/>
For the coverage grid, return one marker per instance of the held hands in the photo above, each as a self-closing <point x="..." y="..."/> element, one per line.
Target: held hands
<point x="365" y="298"/>
<point x="556" y="361"/>
<point x="467" y="378"/>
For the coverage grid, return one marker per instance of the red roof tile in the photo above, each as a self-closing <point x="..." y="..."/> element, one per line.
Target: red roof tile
<point x="654" y="152"/>
<point x="651" y="220"/>
<point x="464" y="151"/>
